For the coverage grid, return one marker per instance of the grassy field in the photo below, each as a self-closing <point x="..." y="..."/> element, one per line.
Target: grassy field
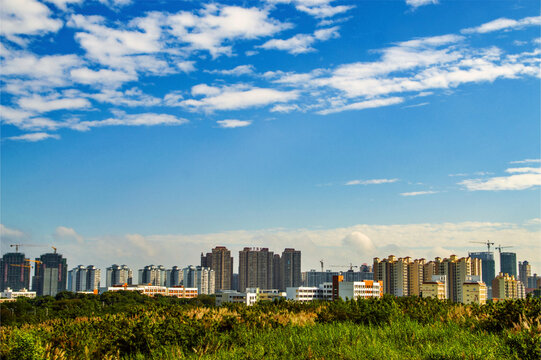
<point x="390" y="328"/>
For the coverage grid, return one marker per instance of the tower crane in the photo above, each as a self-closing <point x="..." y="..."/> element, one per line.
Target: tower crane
<point x="321" y="262"/>
<point x="350" y="266"/>
<point x="487" y="243"/>
<point x="17" y="246"/>
<point x="499" y="248"/>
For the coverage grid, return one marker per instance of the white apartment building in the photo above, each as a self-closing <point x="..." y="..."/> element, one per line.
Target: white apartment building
<point x="360" y="289"/>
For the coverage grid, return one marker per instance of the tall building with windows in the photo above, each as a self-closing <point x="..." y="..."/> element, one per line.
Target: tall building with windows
<point x="118" y="275"/>
<point x="83" y="278"/>
<point x="457" y="271"/>
<point x="393" y="272"/>
<point x="221" y="262"/>
<point x="290" y="269"/>
<point x="173" y="276"/>
<point x="152" y="274"/>
<point x="14" y="272"/>
<point x="505" y="286"/>
<point x="524" y="272"/>
<point x="202" y="278"/>
<point x="50" y="274"/>
<point x="276" y="267"/>
<point x="489" y="268"/>
<point x="508" y="263"/>
<point x="256" y="268"/>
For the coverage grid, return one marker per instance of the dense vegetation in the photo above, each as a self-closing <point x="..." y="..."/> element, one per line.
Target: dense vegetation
<point x="132" y="326"/>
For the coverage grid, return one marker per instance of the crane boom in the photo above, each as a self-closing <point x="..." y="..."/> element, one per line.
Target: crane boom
<point x="487" y="243"/>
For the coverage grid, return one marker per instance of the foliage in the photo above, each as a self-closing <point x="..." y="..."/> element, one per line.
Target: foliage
<point x="130" y="325"/>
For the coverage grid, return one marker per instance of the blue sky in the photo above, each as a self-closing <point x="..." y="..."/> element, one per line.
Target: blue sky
<point x="145" y="132"/>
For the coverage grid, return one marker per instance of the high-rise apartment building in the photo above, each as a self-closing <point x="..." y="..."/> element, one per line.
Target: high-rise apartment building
<point x="290" y="269"/>
<point x="14" y="272"/>
<point x="173" y="276"/>
<point x="508" y="263"/>
<point x="256" y="268"/>
<point x="457" y="271"/>
<point x="83" y="278"/>
<point x="221" y="262"/>
<point x="202" y="278"/>
<point x="474" y="291"/>
<point x="118" y="275"/>
<point x="393" y="272"/>
<point x="505" y="286"/>
<point x="489" y="268"/>
<point x="50" y="274"/>
<point x="524" y="272"/>
<point x="152" y="274"/>
<point x="276" y="268"/>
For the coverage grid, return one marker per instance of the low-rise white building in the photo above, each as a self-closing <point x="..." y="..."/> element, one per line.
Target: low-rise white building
<point x="360" y="289"/>
<point x="310" y="293"/>
<point x="249" y="298"/>
<point x="10" y="294"/>
<point x="152" y="290"/>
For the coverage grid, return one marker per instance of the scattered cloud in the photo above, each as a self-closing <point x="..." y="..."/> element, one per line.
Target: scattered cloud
<point x="521" y="179"/>
<point x="103" y="77"/>
<point x="215" y="26"/>
<point x="131" y="97"/>
<point x="232" y="98"/>
<point x="301" y="43"/>
<point x="7" y="234"/>
<point x="416" y="3"/>
<point x="504" y="24"/>
<point x="233" y="123"/>
<point x="319" y="9"/>
<point x="417" y="193"/>
<point x="237" y="71"/>
<point x="51" y="103"/>
<point x="526" y="161"/>
<point x="361" y="105"/>
<point x="34" y="137"/>
<point x="123" y="119"/>
<point x="26" y="17"/>
<point x="371" y="182"/>
<point x="65" y="233"/>
<point x="356" y="244"/>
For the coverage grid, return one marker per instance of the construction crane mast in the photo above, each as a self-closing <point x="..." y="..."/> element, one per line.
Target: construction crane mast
<point x="487" y="243"/>
<point x="321" y="262"/>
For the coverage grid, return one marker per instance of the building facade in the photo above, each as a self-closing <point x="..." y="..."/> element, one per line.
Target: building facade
<point x="118" y="275"/>
<point x="505" y="286"/>
<point x="199" y="277"/>
<point x="290" y="269"/>
<point x="84" y="279"/>
<point x="221" y="262"/>
<point x="14" y="272"/>
<point x="524" y="272"/>
<point x="174" y="276"/>
<point x="50" y="274"/>
<point x="474" y="292"/>
<point x="354" y="290"/>
<point x="489" y="268"/>
<point x="256" y="268"/>
<point x="508" y="263"/>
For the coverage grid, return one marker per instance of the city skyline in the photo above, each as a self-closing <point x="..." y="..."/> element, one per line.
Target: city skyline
<point x="147" y="132"/>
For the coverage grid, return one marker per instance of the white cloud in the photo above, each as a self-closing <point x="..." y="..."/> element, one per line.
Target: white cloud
<point x="51" y="103"/>
<point x="301" y="43"/>
<point x="63" y="4"/>
<point x="417" y="193"/>
<point x="356" y="244"/>
<point x="371" y="182"/>
<point x="33" y="137"/>
<point x="26" y="17"/>
<point x="526" y="161"/>
<point x="522" y="179"/>
<point x="216" y="26"/>
<point x="232" y="98"/>
<point x="417" y="3"/>
<point x="233" y="123"/>
<point x="361" y="105"/>
<point x="284" y="108"/>
<point x="123" y="119"/>
<point x="115" y="3"/>
<point x="130" y="97"/>
<point x="319" y="9"/>
<point x="25" y="120"/>
<point x="186" y="66"/>
<point x="65" y="233"/>
<point x="102" y="77"/>
<point x="236" y="71"/>
<point x="7" y="234"/>
<point x="504" y="24"/>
